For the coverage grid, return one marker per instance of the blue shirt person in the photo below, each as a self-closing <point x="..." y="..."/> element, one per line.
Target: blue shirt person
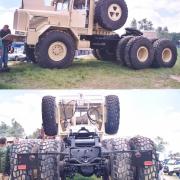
<point x="5" y="48"/>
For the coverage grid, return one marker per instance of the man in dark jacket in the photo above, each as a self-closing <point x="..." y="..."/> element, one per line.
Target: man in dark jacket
<point x="4" y="59"/>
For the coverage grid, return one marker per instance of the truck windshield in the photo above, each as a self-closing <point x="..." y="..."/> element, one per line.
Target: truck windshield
<point x="62" y="6"/>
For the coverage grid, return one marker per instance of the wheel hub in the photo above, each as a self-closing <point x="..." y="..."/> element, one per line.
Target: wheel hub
<point x="114" y="12"/>
<point x="167" y="55"/>
<point x="57" y="51"/>
<point x="142" y="54"/>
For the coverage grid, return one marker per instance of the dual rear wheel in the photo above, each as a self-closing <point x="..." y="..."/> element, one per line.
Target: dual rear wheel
<point x="121" y="167"/>
<point x="141" y="53"/>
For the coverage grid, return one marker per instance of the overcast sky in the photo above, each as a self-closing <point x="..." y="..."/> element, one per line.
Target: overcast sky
<point x="160" y="12"/>
<point x="143" y="112"/>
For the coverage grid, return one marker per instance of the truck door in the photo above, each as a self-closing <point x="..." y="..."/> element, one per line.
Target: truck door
<point x="80" y="12"/>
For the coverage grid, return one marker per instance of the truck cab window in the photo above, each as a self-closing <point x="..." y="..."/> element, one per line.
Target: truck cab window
<point x="79" y="4"/>
<point x="62" y="5"/>
<point x="47" y="2"/>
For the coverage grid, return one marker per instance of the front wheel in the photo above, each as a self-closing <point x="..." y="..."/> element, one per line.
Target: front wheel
<point x="56" y="49"/>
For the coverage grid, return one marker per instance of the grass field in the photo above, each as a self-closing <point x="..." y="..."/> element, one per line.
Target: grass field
<point x="89" y="74"/>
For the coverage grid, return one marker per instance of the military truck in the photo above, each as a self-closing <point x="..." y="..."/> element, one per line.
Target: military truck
<point x="76" y="130"/>
<point x="52" y="32"/>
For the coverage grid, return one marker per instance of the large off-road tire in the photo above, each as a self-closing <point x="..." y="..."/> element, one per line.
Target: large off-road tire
<point x="120" y="51"/>
<point x="27" y="146"/>
<point x="139" y="53"/>
<point x="48" y="162"/>
<point x="30" y="54"/>
<point x="112" y="114"/>
<point x="146" y="172"/>
<point x="49" y="115"/>
<point x="121" y="168"/>
<point x="111" y="14"/>
<point x="165" y="53"/>
<point x="55" y="49"/>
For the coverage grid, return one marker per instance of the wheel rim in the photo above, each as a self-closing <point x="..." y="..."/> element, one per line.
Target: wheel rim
<point x="142" y="54"/>
<point x="167" y="55"/>
<point x="114" y="12"/>
<point x="57" y="51"/>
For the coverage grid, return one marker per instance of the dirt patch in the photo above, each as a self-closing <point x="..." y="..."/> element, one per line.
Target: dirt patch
<point x="176" y="78"/>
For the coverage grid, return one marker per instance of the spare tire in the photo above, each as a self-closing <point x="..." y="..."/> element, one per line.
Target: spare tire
<point x="49" y="116"/>
<point x="112" y="114"/>
<point x="111" y="14"/>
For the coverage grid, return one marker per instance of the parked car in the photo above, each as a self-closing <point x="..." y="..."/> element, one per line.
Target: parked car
<point x="172" y="166"/>
<point x="16" y="52"/>
<point x="17" y="56"/>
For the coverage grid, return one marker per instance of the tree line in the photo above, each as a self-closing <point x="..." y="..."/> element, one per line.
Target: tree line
<point x="13" y="130"/>
<point x="162" y="32"/>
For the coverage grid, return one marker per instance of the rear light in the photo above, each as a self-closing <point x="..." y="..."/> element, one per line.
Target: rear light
<point x="22" y="167"/>
<point x="148" y="163"/>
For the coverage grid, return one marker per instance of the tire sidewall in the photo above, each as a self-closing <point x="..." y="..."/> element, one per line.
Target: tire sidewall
<point x="112" y="114"/>
<point x="103" y="10"/>
<point x="120" y="52"/>
<point x="136" y="64"/>
<point x="159" y="47"/>
<point x="52" y="37"/>
<point x="49" y="116"/>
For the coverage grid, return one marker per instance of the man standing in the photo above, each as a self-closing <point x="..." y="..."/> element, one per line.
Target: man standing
<point x="4" y="59"/>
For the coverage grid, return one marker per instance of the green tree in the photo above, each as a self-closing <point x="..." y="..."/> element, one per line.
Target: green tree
<point x="145" y="25"/>
<point x="160" y="144"/>
<point x="163" y="32"/>
<point x="4" y="129"/>
<point x="134" y="24"/>
<point x="16" y="129"/>
<point x="175" y="37"/>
